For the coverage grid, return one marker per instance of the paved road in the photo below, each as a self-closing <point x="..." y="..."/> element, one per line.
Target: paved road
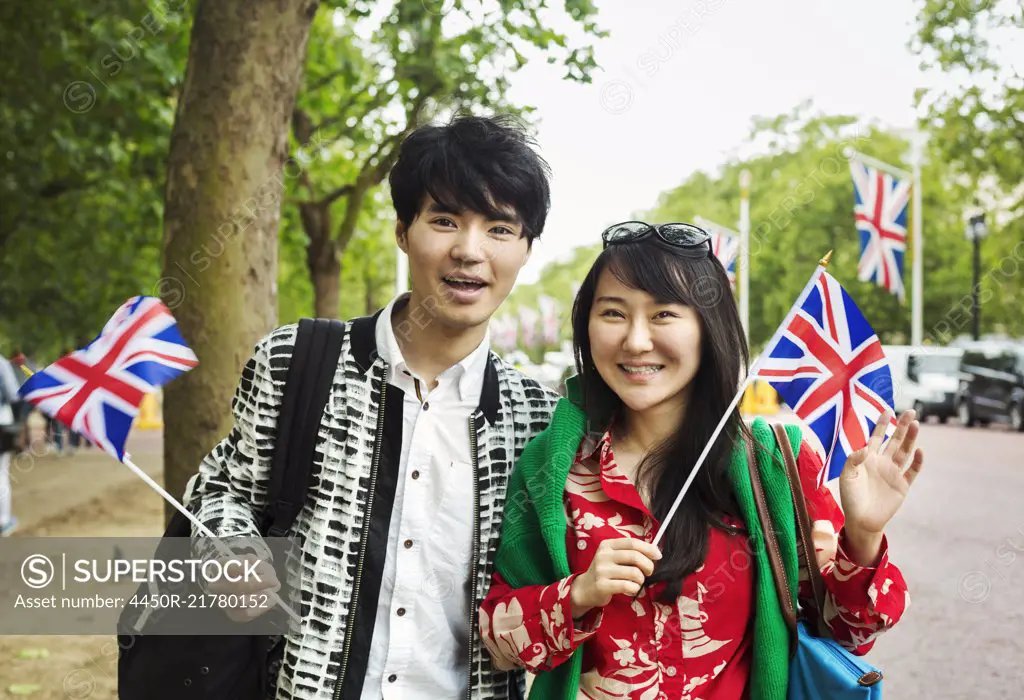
<point x="960" y="543"/>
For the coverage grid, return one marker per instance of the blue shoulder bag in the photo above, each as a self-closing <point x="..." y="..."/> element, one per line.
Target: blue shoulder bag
<point x="819" y="667"/>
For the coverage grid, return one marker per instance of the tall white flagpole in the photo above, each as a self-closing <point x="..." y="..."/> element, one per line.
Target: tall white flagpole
<point x="745" y="253"/>
<point x="751" y="376"/>
<point x="917" y="303"/>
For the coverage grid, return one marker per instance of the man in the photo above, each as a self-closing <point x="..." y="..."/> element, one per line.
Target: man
<point x="421" y="412"/>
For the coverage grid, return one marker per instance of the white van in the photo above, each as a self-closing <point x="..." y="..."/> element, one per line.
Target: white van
<point x="925" y="378"/>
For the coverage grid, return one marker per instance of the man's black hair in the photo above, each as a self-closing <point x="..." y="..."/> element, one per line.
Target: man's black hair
<point x="480" y="164"/>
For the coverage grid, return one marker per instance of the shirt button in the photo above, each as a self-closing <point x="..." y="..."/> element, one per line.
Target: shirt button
<point x="400" y="612"/>
<point x="426" y="406"/>
<point x="671" y="670"/>
<point x="416" y="474"/>
<point x="392" y="678"/>
<point x="408" y="544"/>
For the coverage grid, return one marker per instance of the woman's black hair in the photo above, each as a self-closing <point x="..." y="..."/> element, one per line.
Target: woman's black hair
<point x="475" y="164"/>
<point x="656" y="268"/>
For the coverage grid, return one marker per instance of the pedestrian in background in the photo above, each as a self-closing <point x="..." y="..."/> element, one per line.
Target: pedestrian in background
<point x="10" y="429"/>
<point x="62" y="432"/>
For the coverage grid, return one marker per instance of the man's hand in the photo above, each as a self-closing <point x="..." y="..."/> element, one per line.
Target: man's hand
<point x="263" y="583"/>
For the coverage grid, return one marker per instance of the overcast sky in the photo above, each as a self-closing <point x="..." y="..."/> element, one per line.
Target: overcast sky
<point x="680" y="83"/>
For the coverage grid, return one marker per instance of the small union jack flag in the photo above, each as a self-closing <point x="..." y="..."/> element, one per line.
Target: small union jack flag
<point x="726" y="248"/>
<point x="881" y="214"/>
<point x="828" y="366"/>
<point x="96" y="391"/>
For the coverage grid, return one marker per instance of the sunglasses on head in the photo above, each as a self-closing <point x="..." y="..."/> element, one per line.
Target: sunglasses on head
<point x="687" y="238"/>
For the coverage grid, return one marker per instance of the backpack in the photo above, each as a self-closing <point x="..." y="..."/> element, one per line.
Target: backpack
<point x="235" y="667"/>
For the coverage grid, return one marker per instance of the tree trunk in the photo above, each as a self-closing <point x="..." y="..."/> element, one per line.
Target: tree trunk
<point x="225" y="176"/>
<point x="322" y="259"/>
<point x="327" y="288"/>
<point x="324" y="254"/>
<point x="370" y="281"/>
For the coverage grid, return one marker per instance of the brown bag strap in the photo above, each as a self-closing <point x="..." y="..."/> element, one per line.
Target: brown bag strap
<point x="771" y="544"/>
<point x="805" y="542"/>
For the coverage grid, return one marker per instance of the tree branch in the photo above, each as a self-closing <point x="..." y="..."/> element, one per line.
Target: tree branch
<point x="387" y="154"/>
<point x="380" y="99"/>
<point x="343" y="191"/>
<point x="373" y="172"/>
<point x="328" y="123"/>
<point x="50" y="190"/>
<point x="56" y="188"/>
<point x="302" y="126"/>
<point x="330" y="199"/>
<point x="324" y="81"/>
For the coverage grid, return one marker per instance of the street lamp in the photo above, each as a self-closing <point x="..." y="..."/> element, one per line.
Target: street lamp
<point x="744" y="271"/>
<point x="976" y="230"/>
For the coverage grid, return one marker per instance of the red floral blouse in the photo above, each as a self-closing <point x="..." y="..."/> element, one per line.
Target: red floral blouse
<point x="700" y="647"/>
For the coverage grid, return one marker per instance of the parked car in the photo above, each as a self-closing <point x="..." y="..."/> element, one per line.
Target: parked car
<point x="925" y="379"/>
<point x="992" y="385"/>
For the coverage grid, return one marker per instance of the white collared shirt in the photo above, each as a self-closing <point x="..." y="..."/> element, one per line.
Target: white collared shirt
<point x="420" y="645"/>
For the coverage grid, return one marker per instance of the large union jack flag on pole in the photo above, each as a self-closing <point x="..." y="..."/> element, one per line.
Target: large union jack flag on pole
<point x="828" y="365"/>
<point x="96" y="391"/>
<point x="881" y="214"/>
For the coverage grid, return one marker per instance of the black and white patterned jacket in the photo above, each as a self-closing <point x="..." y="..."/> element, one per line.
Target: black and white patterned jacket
<point x="358" y="452"/>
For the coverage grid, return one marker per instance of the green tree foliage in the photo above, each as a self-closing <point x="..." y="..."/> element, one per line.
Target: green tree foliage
<point x="87" y="106"/>
<point x="89" y="101"/>
<point x="977" y="126"/>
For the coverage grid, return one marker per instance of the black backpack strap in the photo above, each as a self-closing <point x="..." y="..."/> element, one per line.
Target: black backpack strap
<point x="310" y="377"/>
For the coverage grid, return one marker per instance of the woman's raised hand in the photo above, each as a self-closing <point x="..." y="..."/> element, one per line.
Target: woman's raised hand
<point x="875" y="481"/>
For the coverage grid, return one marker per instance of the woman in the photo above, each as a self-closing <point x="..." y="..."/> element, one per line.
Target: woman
<point x="581" y="596"/>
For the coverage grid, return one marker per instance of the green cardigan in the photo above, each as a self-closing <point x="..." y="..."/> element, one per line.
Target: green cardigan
<point x="533" y="552"/>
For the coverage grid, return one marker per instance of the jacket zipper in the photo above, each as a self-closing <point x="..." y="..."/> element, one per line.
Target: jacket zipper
<point x="475" y="553"/>
<point x="354" y="601"/>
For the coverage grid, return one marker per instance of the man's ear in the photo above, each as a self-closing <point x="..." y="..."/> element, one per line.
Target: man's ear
<point x="402" y="237"/>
